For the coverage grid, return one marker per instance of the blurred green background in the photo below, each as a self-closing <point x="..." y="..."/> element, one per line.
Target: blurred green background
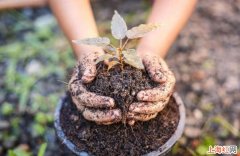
<point x="36" y="61"/>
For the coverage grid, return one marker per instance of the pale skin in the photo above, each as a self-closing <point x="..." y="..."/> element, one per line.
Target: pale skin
<point x="77" y="21"/>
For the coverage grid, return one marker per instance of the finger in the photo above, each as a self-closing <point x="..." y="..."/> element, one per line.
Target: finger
<point x="140" y="117"/>
<point x="154" y="69"/>
<point x="131" y="122"/>
<point x="88" y="71"/>
<point x="105" y="123"/>
<point x="88" y="67"/>
<point x="76" y="88"/>
<point x="93" y="100"/>
<point x="75" y="75"/>
<point x="79" y="105"/>
<point x="159" y="93"/>
<point x="163" y="64"/>
<point x="103" y="116"/>
<point x="85" y="98"/>
<point x="147" y="107"/>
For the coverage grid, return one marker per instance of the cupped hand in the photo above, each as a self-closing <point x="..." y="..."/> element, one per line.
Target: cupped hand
<point x="99" y="109"/>
<point x="152" y="101"/>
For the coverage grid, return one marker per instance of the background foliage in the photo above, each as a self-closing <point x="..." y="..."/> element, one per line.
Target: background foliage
<point x="35" y="58"/>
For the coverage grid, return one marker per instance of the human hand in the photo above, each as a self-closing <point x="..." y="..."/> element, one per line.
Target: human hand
<point x="90" y="104"/>
<point x="152" y="101"/>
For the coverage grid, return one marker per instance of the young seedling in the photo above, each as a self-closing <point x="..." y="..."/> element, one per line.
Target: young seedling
<point x="120" y="55"/>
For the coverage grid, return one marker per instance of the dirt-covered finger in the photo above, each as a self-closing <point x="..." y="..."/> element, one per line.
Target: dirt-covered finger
<point x="140" y="117"/>
<point x="88" y="67"/>
<point x="89" y="72"/>
<point x="76" y="88"/>
<point x="79" y="105"/>
<point x="75" y="75"/>
<point x="93" y="100"/>
<point x="147" y="107"/>
<point x="154" y="69"/>
<point x="161" y="92"/>
<point x="102" y="116"/>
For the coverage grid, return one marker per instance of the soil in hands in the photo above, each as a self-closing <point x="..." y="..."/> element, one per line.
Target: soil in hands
<point x="121" y="85"/>
<point x="118" y="139"/>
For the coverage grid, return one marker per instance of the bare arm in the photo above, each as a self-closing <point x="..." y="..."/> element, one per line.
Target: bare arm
<point x="173" y="14"/>
<point x="77" y="21"/>
<point x="10" y="4"/>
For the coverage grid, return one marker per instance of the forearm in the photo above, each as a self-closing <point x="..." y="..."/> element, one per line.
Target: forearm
<point x="173" y="14"/>
<point x="77" y="21"/>
<point x="10" y="4"/>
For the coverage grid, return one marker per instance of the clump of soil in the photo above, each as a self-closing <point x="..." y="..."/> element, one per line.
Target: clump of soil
<point x="118" y="139"/>
<point x="121" y="85"/>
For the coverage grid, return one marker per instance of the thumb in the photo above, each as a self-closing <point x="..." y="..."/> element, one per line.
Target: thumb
<point x="154" y="68"/>
<point x="88" y="67"/>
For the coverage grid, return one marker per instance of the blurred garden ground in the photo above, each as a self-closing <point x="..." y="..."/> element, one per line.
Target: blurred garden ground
<point x="36" y="60"/>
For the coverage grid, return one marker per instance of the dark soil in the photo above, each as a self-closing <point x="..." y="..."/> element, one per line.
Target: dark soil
<point x="119" y="139"/>
<point x="122" y="86"/>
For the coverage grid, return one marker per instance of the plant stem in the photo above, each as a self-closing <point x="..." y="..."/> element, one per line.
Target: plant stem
<point x="125" y="43"/>
<point x="120" y="44"/>
<point x="120" y="57"/>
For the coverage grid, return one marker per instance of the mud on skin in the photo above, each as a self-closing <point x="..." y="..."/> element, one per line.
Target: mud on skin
<point x="89" y="103"/>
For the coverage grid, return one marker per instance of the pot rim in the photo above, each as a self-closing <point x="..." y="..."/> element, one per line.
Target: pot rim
<point x="161" y="150"/>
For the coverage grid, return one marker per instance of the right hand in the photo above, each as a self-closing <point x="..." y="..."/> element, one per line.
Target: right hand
<point x="90" y="104"/>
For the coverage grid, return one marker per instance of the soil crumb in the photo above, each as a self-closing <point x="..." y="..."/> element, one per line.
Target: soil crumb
<point x="118" y="139"/>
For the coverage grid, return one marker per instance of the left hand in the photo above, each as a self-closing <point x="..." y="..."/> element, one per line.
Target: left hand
<point x="152" y="101"/>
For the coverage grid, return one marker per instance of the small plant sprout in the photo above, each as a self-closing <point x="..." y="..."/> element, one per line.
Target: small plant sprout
<point x="120" y="55"/>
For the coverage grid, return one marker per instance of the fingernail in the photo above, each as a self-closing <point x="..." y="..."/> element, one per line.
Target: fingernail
<point x="87" y="79"/>
<point x="131" y="108"/>
<point x="141" y="96"/>
<point x="131" y="122"/>
<point x="117" y="114"/>
<point x="111" y="102"/>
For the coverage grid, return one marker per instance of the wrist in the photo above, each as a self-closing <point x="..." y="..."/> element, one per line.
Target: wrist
<point x="144" y="50"/>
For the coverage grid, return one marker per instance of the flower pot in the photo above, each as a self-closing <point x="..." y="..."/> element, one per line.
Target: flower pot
<point x="162" y="150"/>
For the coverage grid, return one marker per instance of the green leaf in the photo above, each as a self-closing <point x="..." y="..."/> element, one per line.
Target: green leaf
<point x="118" y="26"/>
<point x="42" y="149"/>
<point x="111" y="64"/>
<point x="7" y="108"/>
<point x="141" y="30"/>
<point x="38" y="129"/>
<point x="19" y="152"/>
<point x="41" y="118"/>
<point x="103" y="58"/>
<point x="202" y="149"/>
<point x="109" y="49"/>
<point x="11" y="153"/>
<point x="131" y="58"/>
<point x="97" y="41"/>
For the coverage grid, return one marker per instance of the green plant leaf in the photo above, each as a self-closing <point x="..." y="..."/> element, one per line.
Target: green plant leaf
<point x="109" y="49"/>
<point x="42" y="149"/>
<point x="111" y="64"/>
<point x="7" y="108"/>
<point x="131" y="58"/>
<point x="202" y="149"/>
<point x="141" y="30"/>
<point x="103" y="57"/>
<point x="41" y="118"/>
<point x="118" y="26"/>
<point x="11" y="153"/>
<point x="97" y="41"/>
